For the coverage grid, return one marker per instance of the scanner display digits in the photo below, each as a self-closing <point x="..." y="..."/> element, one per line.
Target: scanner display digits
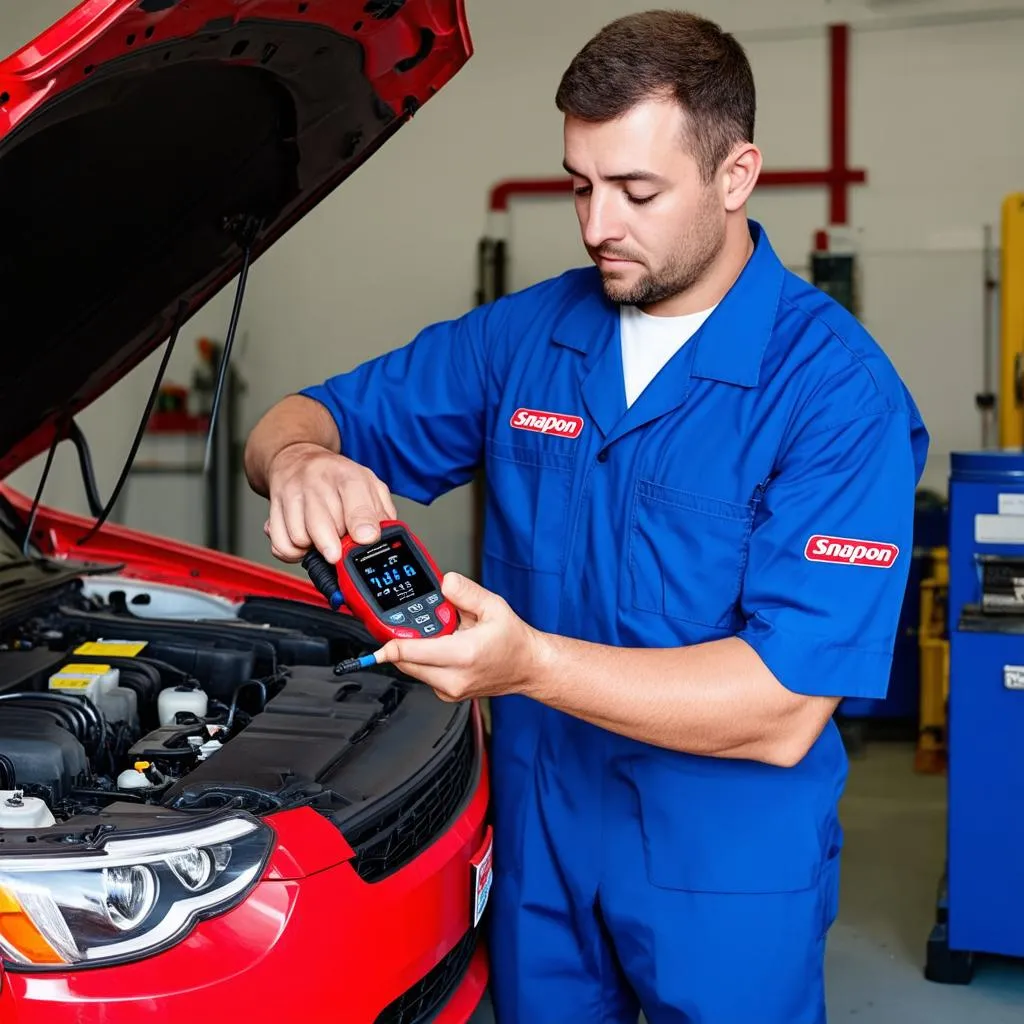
<point x="392" y="573"/>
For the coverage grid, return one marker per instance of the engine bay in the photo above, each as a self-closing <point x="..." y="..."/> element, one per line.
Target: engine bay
<point x="114" y="713"/>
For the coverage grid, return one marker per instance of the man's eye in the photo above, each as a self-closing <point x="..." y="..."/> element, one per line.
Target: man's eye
<point x="582" y="190"/>
<point x="640" y="200"/>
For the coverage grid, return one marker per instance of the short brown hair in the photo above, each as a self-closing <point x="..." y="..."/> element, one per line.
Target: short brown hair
<point x="667" y="53"/>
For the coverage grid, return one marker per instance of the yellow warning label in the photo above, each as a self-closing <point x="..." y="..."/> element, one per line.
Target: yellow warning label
<point x="85" y="670"/>
<point x="71" y="683"/>
<point x="111" y="649"/>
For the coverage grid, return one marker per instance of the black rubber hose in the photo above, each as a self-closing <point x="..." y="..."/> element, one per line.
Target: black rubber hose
<point x="92" y="713"/>
<point x="70" y="713"/>
<point x="166" y="668"/>
<point x="87" y="713"/>
<point x="234" y="699"/>
<point x="92" y="494"/>
<point x="10" y="776"/>
<point x="179" y="319"/>
<point x="66" y="718"/>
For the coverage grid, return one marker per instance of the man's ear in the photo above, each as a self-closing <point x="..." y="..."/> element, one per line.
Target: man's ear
<point x="740" y="172"/>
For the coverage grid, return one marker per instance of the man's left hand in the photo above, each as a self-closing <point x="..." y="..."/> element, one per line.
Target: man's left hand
<point x="492" y="653"/>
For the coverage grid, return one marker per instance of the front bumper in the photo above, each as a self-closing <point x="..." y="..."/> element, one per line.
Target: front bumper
<point x="312" y="942"/>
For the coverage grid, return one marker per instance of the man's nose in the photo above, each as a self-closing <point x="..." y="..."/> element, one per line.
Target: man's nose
<point x="602" y="222"/>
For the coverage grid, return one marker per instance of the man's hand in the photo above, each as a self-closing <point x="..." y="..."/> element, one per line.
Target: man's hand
<point x="493" y="653"/>
<point x="317" y="496"/>
<point x="716" y="698"/>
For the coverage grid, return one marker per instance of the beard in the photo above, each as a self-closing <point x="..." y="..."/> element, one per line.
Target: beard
<point x="686" y="264"/>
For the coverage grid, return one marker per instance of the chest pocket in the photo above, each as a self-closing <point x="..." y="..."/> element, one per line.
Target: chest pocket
<point x="528" y="491"/>
<point x="687" y="553"/>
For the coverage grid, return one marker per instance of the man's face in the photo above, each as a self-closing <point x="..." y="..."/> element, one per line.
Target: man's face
<point x="648" y="221"/>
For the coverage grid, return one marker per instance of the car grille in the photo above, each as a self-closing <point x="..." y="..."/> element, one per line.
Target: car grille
<point x="395" y="837"/>
<point x="421" y="1003"/>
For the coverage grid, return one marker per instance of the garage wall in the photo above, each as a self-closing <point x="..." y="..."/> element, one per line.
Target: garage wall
<point x="934" y="87"/>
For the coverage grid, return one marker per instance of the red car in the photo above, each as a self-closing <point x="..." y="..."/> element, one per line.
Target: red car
<point x="196" y="814"/>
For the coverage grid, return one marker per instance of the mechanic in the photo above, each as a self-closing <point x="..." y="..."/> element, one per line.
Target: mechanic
<point x="700" y="492"/>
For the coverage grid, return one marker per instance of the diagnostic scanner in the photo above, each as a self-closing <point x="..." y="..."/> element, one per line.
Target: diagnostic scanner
<point x="392" y="586"/>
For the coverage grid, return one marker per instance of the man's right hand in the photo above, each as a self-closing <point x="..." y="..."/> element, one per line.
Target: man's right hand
<point x="316" y="497"/>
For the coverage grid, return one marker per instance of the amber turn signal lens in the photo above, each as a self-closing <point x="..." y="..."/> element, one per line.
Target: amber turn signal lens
<point x="19" y="933"/>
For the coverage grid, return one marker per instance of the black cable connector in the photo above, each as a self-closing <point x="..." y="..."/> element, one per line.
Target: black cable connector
<point x="324" y="577"/>
<point x="343" y="668"/>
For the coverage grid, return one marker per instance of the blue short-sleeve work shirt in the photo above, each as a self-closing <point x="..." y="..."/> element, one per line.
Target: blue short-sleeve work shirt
<point x="761" y="486"/>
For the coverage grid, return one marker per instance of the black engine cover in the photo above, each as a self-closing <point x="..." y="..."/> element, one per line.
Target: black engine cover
<point x="43" y="754"/>
<point x="317" y="732"/>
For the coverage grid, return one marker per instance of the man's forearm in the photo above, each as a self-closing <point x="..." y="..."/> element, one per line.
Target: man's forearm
<point x="294" y="420"/>
<point x="717" y="699"/>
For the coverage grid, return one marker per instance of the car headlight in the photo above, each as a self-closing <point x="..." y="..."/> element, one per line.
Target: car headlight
<point x="132" y="898"/>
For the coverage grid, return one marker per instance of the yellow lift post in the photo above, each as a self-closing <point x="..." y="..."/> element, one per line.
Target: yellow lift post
<point x="1011" y="334"/>
<point x="930" y="757"/>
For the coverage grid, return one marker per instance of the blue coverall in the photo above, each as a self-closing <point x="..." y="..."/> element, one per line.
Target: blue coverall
<point x="762" y="487"/>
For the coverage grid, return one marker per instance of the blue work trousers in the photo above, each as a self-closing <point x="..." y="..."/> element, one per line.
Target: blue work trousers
<point x="599" y="909"/>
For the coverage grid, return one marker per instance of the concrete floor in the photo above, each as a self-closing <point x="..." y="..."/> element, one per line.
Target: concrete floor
<point x="895" y="825"/>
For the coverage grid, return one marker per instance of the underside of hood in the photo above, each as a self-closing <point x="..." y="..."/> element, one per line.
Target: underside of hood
<point x="143" y="143"/>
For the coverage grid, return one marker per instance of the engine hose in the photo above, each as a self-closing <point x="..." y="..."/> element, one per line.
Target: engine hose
<point x="166" y="668"/>
<point x="70" y="714"/>
<point x="234" y="699"/>
<point x="91" y="712"/>
<point x="215" y="708"/>
<point x="66" y="718"/>
<point x="86" y="713"/>
<point x="10" y="776"/>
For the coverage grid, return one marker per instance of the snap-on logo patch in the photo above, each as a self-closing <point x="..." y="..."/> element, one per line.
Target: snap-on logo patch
<point x="848" y="551"/>
<point x="559" y="424"/>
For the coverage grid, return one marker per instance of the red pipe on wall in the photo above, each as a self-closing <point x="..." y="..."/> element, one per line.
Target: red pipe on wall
<point x="505" y="190"/>
<point x="842" y="174"/>
<point x="838" y="177"/>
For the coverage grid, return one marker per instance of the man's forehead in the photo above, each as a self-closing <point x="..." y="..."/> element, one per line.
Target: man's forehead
<point x="647" y="140"/>
<point x="653" y="112"/>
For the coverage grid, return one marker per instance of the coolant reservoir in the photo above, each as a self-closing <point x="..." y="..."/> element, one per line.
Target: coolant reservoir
<point x="18" y="811"/>
<point x="187" y="697"/>
<point x="82" y="680"/>
<point x="120" y="704"/>
<point x="100" y="684"/>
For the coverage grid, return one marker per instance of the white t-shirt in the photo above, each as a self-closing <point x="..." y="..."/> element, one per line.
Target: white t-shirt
<point x="649" y="342"/>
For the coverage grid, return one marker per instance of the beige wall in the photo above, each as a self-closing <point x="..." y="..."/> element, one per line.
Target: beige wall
<point x="935" y="93"/>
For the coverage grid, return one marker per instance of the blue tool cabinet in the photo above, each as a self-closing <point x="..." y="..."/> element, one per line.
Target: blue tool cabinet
<point x="981" y="899"/>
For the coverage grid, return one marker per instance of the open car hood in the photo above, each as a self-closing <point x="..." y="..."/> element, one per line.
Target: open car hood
<point x="141" y="139"/>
